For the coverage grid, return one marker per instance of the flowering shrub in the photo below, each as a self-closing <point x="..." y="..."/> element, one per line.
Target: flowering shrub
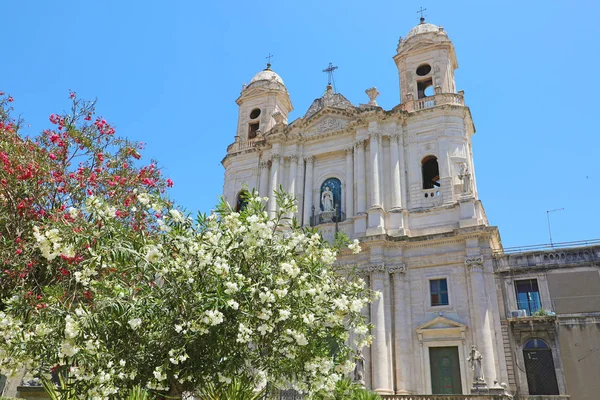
<point x="114" y="287"/>
<point x="52" y="176"/>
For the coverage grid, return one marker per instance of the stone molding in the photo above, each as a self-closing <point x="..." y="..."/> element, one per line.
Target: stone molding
<point x="474" y="264"/>
<point x="381" y="268"/>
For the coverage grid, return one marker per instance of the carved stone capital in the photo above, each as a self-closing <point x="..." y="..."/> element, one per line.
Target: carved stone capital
<point x="376" y="268"/>
<point x="293" y="158"/>
<point x="397" y="269"/>
<point x="360" y="143"/>
<point x="474" y="264"/>
<point x="275" y="157"/>
<point x="309" y="160"/>
<point x="264" y="165"/>
<point x="349" y="150"/>
<point x="394" y="137"/>
<point x="375" y="136"/>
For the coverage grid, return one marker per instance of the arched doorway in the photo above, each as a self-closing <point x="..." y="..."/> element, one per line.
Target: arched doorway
<point x="539" y="366"/>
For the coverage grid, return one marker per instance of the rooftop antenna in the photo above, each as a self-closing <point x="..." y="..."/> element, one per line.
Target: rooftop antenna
<point x="548" y="218"/>
<point x="269" y="60"/>
<point x="330" y="80"/>
<point x="421" y="11"/>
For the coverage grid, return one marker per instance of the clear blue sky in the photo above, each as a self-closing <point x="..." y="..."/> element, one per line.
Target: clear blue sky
<point x="168" y="72"/>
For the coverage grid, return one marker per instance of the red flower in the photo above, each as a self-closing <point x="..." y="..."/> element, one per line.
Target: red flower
<point x="72" y="95"/>
<point x="169" y="183"/>
<point x="52" y="156"/>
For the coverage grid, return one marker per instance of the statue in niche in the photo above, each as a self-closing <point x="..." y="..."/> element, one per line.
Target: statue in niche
<point x="359" y="370"/>
<point x="465" y="176"/>
<point x="327" y="199"/>
<point x="474" y="359"/>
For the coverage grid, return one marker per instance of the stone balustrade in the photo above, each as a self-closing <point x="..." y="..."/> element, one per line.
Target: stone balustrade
<point x="433" y="101"/>
<point x="237" y="147"/>
<point x="551" y="258"/>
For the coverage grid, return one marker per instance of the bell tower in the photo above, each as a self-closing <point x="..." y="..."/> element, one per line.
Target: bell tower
<point x="263" y="103"/>
<point x="426" y="62"/>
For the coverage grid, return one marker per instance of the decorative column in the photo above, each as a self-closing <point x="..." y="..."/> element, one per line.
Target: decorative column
<point x="292" y="177"/>
<point x="299" y="187"/>
<point x="274" y="184"/>
<point x="381" y="382"/>
<point x="395" y="162"/>
<point x="263" y="188"/>
<point x="349" y="183"/>
<point x="373" y="152"/>
<point x="308" y="191"/>
<point x="361" y="200"/>
<point x="403" y="185"/>
<point x="483" y="317"/>
<point x="402" y="329"/>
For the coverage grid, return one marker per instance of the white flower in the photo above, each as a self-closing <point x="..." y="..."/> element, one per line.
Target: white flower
<point x="283" y="315"/>
<point x="143" y="198"/>
<point x="178" y="328"/>
<point x="71" y="328"/>
<point x="73" y="212"/>
<point x="68" y="350"/>
<point x="176" y="215"/>
<point x="153" y="254"/>
<point x="122" y="363"/>
<point x="135" y="323"/>
<point x="354" y="246"/>
<point x="233" y="304"/>
<point x="356" y="305"/>
<point x="231" y="287"/>
<point x="212" y="317"/>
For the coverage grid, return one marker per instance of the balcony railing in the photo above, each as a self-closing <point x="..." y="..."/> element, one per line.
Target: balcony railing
<point x="236" y="147"/>
<point x="433" y="101"/>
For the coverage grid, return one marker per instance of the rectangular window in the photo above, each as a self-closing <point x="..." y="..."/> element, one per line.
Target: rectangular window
<point x="439" y="292"/>
<point x="528" y="296"/>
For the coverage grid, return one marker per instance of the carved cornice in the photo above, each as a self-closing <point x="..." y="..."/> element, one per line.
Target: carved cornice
<point x="474" y="264"/>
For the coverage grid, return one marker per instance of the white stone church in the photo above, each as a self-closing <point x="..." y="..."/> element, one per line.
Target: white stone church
<point x="403" y="182"/>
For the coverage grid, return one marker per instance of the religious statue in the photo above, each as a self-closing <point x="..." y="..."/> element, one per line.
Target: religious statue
<point x="465" y="177"/>
<point x="475" y="360"/>
<point x="359" y="370"/>
<point x="327" y="199"/>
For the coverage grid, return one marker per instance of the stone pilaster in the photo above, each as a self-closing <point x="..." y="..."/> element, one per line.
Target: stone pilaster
<point x="361" y="198"/>
<point x="374" y="163"/>
<point x="483" y="317"/>
<point x="263" y="188"/>
<point x="275" y="160"/>
<point x="380" y="351"/>
<point x="395" y="164"/>
<point x="349" y="183"/>
<point x="308" y="191"/>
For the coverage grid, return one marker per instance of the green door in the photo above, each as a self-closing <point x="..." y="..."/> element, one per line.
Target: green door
<point x="445" y="370"/>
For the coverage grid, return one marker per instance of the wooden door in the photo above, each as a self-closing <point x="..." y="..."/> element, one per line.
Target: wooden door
<point x="445" y="370"/>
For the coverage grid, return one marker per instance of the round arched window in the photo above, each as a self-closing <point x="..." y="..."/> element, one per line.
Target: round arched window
<point x="255" y="113"/>
<point x="423" y="69"/>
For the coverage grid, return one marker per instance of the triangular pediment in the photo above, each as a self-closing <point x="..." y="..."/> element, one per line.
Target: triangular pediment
<point x="441" y="322"/>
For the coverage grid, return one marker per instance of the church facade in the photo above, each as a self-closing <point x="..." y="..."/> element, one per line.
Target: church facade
<point x="403" y="182"/>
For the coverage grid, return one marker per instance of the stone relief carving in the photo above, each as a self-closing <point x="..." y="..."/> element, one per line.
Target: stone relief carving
<point x="474" y="263"/>
<point x="376" y="268"/>
<point x="465" y="176"/>
<point x="328" y="124"/>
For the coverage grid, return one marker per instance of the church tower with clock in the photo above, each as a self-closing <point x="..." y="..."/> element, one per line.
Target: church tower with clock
<point x="402" y="181"/>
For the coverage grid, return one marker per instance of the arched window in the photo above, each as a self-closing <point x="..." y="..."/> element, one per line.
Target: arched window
<point x="241" y="200"/>
<point x="539" y="366"/>
<point x="431" y="172"/>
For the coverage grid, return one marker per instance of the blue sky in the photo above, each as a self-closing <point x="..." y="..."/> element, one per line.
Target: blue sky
<point x="168" y="72"/>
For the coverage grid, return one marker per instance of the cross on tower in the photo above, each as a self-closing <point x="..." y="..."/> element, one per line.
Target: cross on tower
<point x="329" y="71"/>
<point x="269" y="60"/>
<point x="421" y="11"/>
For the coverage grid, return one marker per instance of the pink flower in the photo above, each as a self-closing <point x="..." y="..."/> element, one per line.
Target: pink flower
<point x="10" y="99"/>
<point x="169" y="183"/>
<point x="52" y="156"/>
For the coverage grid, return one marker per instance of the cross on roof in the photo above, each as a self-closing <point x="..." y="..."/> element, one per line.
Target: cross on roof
<point x="329" y="71"/>
<point x="421" y="11"/>
<point x="269" y="60"/>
